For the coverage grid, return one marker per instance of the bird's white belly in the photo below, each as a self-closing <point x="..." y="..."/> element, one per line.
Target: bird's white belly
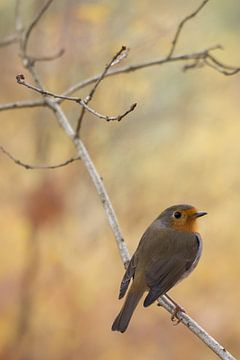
<point x="195" y="262"/>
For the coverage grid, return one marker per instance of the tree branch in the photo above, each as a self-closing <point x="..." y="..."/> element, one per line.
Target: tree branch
<point x="37" y="167"/>
<point x="96" y="179"/>
<point x="21" y="80"/>
<point x="197" y="58"/>
<point x="22" y="104"/>
<point x="193" y="326"/>
<point x="121" y="54"/>
<point x="31" y="26"/>
<point x="58" y="54"/>
<point x="146" y="64"/>
<point x="221" y="67"/>
<point x="181" y="25"/>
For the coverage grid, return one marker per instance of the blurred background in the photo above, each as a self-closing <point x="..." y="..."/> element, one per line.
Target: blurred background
<point x="60" y="268"/>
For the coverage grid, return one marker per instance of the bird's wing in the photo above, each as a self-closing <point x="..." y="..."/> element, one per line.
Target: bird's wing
<point x="162" y="277"/>
<point x="166" y="269"/>
<point x="127" y="277"/>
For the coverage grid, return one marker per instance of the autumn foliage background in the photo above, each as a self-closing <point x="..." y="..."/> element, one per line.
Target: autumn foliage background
<point x="59" y="266"/>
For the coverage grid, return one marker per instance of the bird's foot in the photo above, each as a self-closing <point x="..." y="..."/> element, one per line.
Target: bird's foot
<point x="174" y="316"/>
<point x="177" y="309"/>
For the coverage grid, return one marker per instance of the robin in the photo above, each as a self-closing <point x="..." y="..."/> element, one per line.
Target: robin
<point x="168" y="251"/>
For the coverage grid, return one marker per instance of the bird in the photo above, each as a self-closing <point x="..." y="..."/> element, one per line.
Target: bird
<point x="168" y="251"/>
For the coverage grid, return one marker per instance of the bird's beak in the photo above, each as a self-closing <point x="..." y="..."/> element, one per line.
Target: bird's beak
<point x="199" y="214"/>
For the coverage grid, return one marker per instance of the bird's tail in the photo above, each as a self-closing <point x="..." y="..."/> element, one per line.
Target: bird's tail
<point x="122" y="320"/>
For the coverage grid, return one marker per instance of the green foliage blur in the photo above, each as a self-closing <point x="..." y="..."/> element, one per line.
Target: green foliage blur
<point x="60" y="269"/>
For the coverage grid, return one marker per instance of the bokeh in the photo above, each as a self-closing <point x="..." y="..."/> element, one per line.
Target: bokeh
<point x="60" y="268"/>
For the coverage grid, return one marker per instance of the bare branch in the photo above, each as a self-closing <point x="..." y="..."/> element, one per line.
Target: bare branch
<point x="181" y="25"/>
<point x="130" y="68"/>
<point x="79" y="123"/>
<point x="120" y="117"/>
<point x="212" y="62"/>
<point x="198" y="63"/>
<point x="47" y="58"/>
<point x="121" y="54"/>
<point x="193" y="326"/>
<point x="195" y="57"/>
<point x="37" y="167"/>
<point x="21" y="80"/>
<point x="95" y="177"/>
<point x="22" y="104"/>
<point x="33" y="24"/>
<point x="221" y="67"/>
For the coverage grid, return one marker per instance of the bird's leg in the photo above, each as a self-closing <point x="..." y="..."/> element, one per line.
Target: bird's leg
<point x="176" y="310"/>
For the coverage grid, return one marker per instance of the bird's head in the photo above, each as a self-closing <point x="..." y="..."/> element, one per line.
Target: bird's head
<point x="181" y="217"/>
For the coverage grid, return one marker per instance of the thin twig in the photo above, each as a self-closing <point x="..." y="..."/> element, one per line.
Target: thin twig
<point x="145" y="64"/>
<point x="21" y="80"/>
<point x="33" y="24"/>
<point x="196" y="57"/>
<point x="116" y="59"/>
<point x="181" y="25"/>
<point x="223" y="68"/>
<point x="47" y="58"/>
<point x="22" y="104"/>
<point x="198" y="63"/>
<point x="37" y="167"/>
<point x="80" y="119"/>
<point x="220" y="64"/>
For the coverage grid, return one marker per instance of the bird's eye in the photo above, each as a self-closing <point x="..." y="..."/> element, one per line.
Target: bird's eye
<point x="177" y="214"/>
